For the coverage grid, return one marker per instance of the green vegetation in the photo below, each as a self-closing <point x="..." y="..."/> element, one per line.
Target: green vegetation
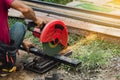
<point x="73" y="38"/>
<point x="93" y="54"/>
<point x="13" y="20"/>
<point x="59" y="1"/>
<point x="90" y="6"/>
<point x="118" y="77"/>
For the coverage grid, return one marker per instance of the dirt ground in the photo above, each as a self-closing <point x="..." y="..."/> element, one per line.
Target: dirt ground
<point x="112" y="72"/>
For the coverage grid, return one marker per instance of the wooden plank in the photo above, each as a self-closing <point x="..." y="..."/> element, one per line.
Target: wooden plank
<point x="111" y="21"/>
<point x="77" y="24"/>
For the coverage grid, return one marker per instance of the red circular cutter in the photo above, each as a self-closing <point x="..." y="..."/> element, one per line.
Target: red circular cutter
<point x="54" y="37"/>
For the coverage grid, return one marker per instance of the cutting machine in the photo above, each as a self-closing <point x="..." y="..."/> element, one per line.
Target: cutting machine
<point x="54" y="38"/>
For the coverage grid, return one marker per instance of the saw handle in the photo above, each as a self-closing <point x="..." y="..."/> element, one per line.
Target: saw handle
<point x="31" y="26"/>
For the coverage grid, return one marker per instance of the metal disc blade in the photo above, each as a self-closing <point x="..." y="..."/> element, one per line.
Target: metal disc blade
<point x="51" y="51"/>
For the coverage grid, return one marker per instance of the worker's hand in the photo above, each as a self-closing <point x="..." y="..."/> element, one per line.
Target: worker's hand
<point x="40" y="21"/>
<point x="27" y="45"/>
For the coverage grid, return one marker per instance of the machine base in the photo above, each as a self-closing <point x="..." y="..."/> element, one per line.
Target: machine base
<point x="40" y="65"/>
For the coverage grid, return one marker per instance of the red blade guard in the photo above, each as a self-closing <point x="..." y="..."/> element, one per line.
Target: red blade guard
<point x="55" y="29"/>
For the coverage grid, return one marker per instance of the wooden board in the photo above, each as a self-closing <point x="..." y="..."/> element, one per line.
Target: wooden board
<point x="75" y="23"/>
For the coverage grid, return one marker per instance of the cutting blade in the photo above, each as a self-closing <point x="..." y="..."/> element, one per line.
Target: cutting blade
<point x="52" y="49"/>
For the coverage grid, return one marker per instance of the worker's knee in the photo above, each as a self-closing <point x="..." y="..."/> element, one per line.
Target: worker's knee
<point x="20" y="25"/>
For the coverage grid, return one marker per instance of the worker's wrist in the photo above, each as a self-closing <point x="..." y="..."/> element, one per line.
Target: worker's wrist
<point x="36" y="21"/>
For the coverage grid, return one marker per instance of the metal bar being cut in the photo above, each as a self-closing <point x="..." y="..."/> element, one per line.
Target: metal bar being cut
<point x="60" y="58"/>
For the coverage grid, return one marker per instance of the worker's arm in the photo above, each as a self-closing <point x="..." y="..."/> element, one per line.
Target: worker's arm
<point x="26" y="11"/>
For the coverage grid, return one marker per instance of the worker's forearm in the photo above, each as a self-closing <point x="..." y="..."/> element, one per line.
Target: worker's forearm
<point x="24" y="9"/>
<point x="30" y="14"/>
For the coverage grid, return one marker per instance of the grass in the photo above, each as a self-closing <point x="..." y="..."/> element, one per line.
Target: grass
<point x="118" y="77"/>
<point x="96" y="54"/>
<point x="13" y="20"/>
<point x="93" y="53"/>
<point x="59" y="1"/>
<point x="90" y="6"/>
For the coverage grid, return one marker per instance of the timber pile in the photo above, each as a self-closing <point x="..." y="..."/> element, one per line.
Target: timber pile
<point x="77" y="26"/>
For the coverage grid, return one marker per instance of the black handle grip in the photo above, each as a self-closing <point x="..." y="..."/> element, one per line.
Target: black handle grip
<point x="30" y="24"/>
